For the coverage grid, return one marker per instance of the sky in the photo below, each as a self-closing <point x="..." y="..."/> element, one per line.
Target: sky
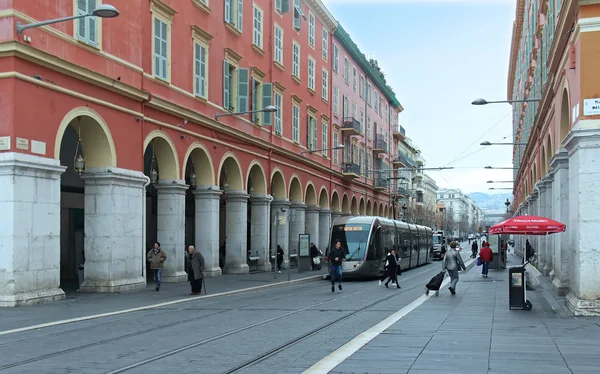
<point x="438" y="56"/>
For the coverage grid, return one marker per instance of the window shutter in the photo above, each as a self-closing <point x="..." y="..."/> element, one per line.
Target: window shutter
<point x="227" y="10"/>
<point x="92" y="24"/>
<point x="308" y="131"/>
<point x="314" y="129"/>
<point x="267" y="99"/>
<point x="81" y="22"/>
<point x="254" y="100"/>
<point x="243" y="76"/>
<point x="240" y="15"/>
<point x="285" y="6"/>
<point x="226" y="103"/>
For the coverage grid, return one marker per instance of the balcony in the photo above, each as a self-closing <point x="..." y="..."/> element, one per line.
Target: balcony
<point x="403" y="191"/>
<point x="399" y="133"/>
<point x="351" y="126"/>
<point x="350" y="170"/>
<point x="379" y="145"/>
<point x="381" y="183"/>
<point x="402" y="160"/>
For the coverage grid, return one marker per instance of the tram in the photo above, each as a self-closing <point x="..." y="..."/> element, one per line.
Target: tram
<point x="367" y="241"/>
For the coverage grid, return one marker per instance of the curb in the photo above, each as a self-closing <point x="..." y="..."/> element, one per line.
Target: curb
<point x="293" y="282"/>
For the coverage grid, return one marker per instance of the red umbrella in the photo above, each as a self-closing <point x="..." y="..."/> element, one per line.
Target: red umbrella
<point x="528" y="225"/>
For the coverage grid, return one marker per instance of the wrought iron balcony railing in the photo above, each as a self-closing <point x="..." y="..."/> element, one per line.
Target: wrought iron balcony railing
<point x="351" y="123"/>
<point x="380" y="142"/>
<point x="351" y="167"/>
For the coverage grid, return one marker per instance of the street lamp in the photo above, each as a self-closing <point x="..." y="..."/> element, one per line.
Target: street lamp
<point x="488" y="143"/>
<point x="500" y="181"/>
<point x="102" y="11"/>
<point x="267" y="109"/>
<point x="481" y="101"/>
<point x="492" y="188"/>
<point x="339" y="146"/>
<point x="493" y="167"/>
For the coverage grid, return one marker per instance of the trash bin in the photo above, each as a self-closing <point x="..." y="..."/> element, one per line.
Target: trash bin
<point x="516" y="289"/>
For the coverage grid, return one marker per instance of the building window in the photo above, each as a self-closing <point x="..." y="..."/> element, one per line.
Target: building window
<point x="362" y="122"/>
<point x="346" y="71"/>
<point x="161" y="48"/>
<point x="376" y="96"/>
<point x="311" y="73"/>
<point x="354" y="78"/>
<point x="87" y="27"/>
<point x="311" y="132"/>
<point x="262" y="96"/>
<point x="295" y="123"/>
<point x="235" y="87"/>
<point x="278" y="56"/>
<point x="234" y="13"/>
<point x="324" y="94"/>
<point x="324" y="137"/>
<point x="361" y="87"/>
<point x="345" y="106"/>
<point x="336" y="100"/>
<point x="258" y="27"/>
<point x="311" y="29"/>
<point x="362" y="164"/>
<point x="278" y="6"/>
<point x="200" y="70"/>
<point x="369" y="93"/>
<point x="335" y="151"/>
<point x="298" y="13"/>
<point x="336" y="58"/>
<point x="278" y="104"/>
<point x="296" y="60"/>
<point x="325" y="44"/>
<point x="354" y="111"/>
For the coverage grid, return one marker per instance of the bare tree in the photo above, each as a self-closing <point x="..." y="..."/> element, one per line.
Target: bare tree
<point x="424" y="216"/>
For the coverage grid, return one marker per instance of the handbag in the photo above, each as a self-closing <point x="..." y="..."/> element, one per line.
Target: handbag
<point x="479" y="261"/>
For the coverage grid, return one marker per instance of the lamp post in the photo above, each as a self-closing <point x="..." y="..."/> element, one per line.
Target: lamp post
<point x="492" y="188"/>
<point x="499" y="181"/>
<point x="102" y="11"/>
<point x="267" y="109"/>
<point x="404" y="207"/>
<point x="481" y="101"/>
<point x="340" y="146"/>
<point x="498" y="168"/>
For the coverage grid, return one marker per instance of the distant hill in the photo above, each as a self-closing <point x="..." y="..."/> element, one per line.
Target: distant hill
<point x="492" y="203"/>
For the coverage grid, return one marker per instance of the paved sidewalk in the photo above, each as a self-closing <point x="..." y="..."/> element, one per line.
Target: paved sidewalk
<point x="85" y="304"/>
<point x="475" y="332"/>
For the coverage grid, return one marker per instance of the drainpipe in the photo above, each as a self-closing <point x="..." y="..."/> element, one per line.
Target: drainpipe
<point x="144" y="219"/>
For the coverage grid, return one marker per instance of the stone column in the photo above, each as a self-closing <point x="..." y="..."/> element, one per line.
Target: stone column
<point x="312" y="223"/>
<point x="583" y="145"/>
<point x="344" y="214"/>
<point x="259" y="230"/>
<point x="548" y="247"/>
<point x="535" y="211"/>
<point x="170" y="228"/>
<point x="297" y="225"/>
<point x="114" y="255"/>
<point x="29" y="230"/>
<point x="324" y="228"/>
<point x="560" y="208"/>
<point x="335" y="215"/>
<point x="236" y="233"/>
<point x="207" y="227"/>
<point x="280" y="232"/>
<point x="541" y="240"/>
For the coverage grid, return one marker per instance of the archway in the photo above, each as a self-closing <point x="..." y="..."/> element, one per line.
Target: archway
<point x="257" y="218"/>
<point x="369" y="208"/>
<point x="295" y="190"/>
<point x="354" y="206"/>
<point x="381" y="211"/>
<point x="544" y="162"/>
<point x="323" y="198"/>
<point x="279" y="221"/>
<point x="361" y="207"/>
<point x="256" y="181"/>
<point x="375" y="209"/>
<point x="232" y="216"/>
<point x="565" y="118"/>
<point x="345" y="204"/>
<point x="162" y="167"/>
<point x="387" y="211"/>
<point x="335" y="202"/>
<point x="278" y="185"/>
<point x="84" y="133"/>
<point x="310" y="195"/>
<point x="549" y="151"/>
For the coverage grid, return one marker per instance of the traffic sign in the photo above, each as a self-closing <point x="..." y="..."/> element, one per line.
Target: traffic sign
<point x="480" y="230"/>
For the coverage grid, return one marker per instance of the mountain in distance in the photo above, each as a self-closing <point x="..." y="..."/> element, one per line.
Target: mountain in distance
<point x="491" y="203"/>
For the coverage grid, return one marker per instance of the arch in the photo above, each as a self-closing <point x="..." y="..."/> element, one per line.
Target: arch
<point x="565" y="117"/>
<point x="310" y="194"/>
<point x="369" y="208"/>
<point x="335" y="202"/>
<point x="375" y="209"/>
<point x="361" y="207"/>
<point x="385" y="210"/>
<point x="231" y="169"/>
<point x="381" y="212"/>
<point x="549" y="150"/>
<point x="324" y="198"/>
<point x="278" y="188"/>
<point x="354" y="206"/>
<point x="544" y="161"/>
<point x="295" y="193"/>
<point x="96" y="139"/>
<point x="203" y="165"/>
<point x="345" y="204"/>
<point x="256" y="179"/>
<point x="166" y="154"/>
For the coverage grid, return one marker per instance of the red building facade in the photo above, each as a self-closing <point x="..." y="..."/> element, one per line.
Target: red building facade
<point x="137" y="97"/>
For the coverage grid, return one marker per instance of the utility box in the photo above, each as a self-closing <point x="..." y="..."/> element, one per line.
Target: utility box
<point x="516" y="289"/>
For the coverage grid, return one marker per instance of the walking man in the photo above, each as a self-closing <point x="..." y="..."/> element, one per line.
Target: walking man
<point x="157" y="258"/>
<point x="336" y="256"/>
<point x="195" y="267"/>
<point x="453" y="263"/>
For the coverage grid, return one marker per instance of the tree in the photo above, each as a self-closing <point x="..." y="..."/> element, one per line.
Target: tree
<point x="424" y="216"/>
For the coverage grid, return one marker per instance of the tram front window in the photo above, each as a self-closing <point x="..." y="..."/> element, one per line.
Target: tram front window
<point x="437" y="239"/>
<point x="354" y="239"/>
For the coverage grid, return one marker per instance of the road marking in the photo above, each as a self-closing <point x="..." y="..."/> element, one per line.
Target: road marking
<point x="153" y="306"/>
<point x="330" y="362"/>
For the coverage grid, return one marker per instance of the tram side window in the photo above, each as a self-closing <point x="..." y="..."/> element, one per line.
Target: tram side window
<point x="388" y="239"/>
<point x="374" y="245"/>
<point x="404" y="242"/>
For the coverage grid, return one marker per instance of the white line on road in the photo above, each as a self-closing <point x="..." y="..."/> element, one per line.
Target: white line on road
<point x="329" y="363"/>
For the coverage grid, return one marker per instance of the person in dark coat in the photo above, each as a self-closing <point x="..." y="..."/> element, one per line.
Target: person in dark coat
<point x="392" y="261"/>
<point x="279" y="258"/>
<point x="314" y="253"/>
<point x="474" y="249"/>
<point x="195" y="266"/>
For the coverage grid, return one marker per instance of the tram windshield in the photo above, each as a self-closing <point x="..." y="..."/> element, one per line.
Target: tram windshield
<point x="354" y="239"/>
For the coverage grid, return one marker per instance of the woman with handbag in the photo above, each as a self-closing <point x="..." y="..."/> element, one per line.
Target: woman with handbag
<point x="452" y="264"/>
<point x="486" y="256"/>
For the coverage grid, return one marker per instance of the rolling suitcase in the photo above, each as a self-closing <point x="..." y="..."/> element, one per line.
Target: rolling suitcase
<point x="435" y="283"/>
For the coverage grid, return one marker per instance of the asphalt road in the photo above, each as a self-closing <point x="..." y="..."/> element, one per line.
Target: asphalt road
<point x="280" y="330"/>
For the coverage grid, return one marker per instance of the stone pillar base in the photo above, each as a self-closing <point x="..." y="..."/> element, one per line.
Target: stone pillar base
<point x="117" y="285"/>
<point x="559" y="287"/>
<point x="265" y="267"/>
<point x="546" y="270"/>
<point x="178" y="276"/>
<point x="588" y="308"/>
<point x="212" y="272"/>
<point x="551" y="275"/>
<point x="236" y="269"/>
<point x="32" y="298"/>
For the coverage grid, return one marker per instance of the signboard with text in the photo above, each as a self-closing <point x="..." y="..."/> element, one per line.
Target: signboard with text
<point x="304" y="244"/>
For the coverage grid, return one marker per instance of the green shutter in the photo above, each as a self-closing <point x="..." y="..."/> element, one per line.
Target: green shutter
<point x="226" y="103"/>
<point x="267" y="99"/>
<point x="81" y="22"/>
<point x="254" y="100"/>
<point x="314" y="129"/>
<point x="243" y="76"/>
<point x="308" y="131"/>
<point x="227" y="10"/>
<point x="285" y="6"/>
<point x="240" y="15"/>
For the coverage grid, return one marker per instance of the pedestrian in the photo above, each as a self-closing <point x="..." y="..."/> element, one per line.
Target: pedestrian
<point x="452" y="264"/>
<point x="314" y="253"/>
<point x="279" y="258"/>
<point x="386" y="268"/>
<point x="157" y="258"/>
<point x="474" y="249"/>
<point x="392" y="268"/>
<point x="195" y="266"/>
<point x="336" y="256"/>
<point x="486" y="255"/>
